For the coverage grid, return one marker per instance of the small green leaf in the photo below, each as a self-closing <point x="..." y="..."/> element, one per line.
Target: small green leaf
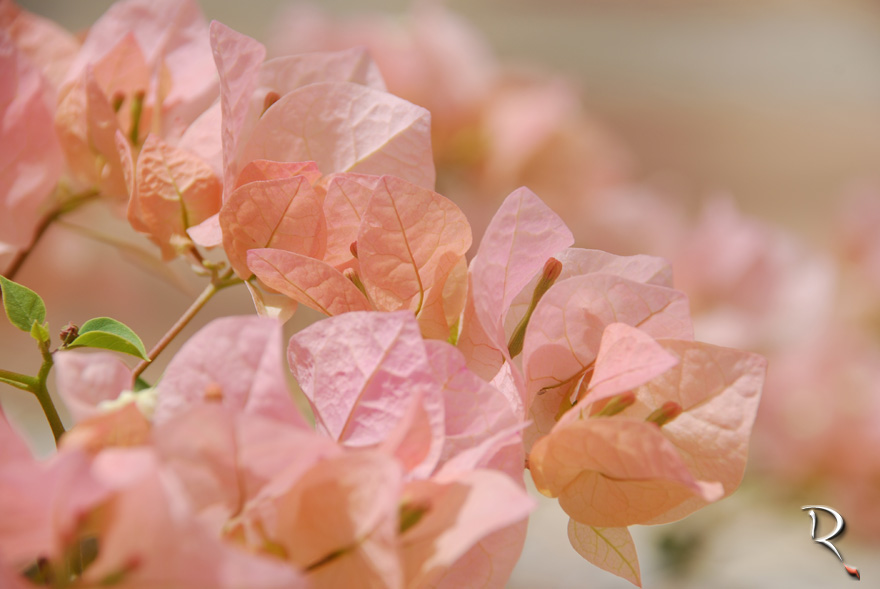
<point x="109" y="334"/>
<point x="140" y="384"/>
<point x="40" y="331"/>
<point x="23" y="306"/>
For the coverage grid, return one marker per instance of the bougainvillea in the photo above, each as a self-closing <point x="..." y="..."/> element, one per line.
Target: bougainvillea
<point x="432" y="385"/>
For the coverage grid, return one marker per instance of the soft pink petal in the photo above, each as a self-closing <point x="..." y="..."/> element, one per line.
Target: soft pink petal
<point x="627" y="358"/>
<point x="718" y="390"/>
<point x="42" y="504"/>
<point x="12" y="447"/>
<point x="123" y="71"/>
<point x="12" y="578"/>
<point x="175" y="190"/>
<point x="410" y="441"/>
<point x="459" y="515"/>
<point x="579" y="262"/>
<point x="284" y="213"/>
<point x="566" y="329"/>
<point x="359" y="370"/>
<point x="273" y="456"/>
<point x="234" y="361"/>
<point x="268" y="170"/>
<point x="409" y="241"/>
<point x="344" y="205"/>
<point x="613" y="472"/>
<point x="84" y="380"/>
<point x="48" y="46"/>
<point x="346" y="504"/>
<point x="489" y="562"/>
<point x="285" y="74"/>
<point x="199" y="446"/>
<point x="126" y="158"/>
<point x="202" y="138"/>
<point x="207" y="233"/>
<point x="238" y="58"/>
<point x="274" y="305"/>
<point x="123" y="427"/>
<point x="502" y="451"/>
<point x="31" y="155"/>
<point x="522" y="235"/>
<point x="149" y="508"/>
<point x="480" y="349"/>
<point x="173" y="36"/>
<point x="610" y="549"/>
<point x="475" y="410"/>
<point x="307" y="280"/>
<point x="102" y="127"/>
<point x="346" y="127"/>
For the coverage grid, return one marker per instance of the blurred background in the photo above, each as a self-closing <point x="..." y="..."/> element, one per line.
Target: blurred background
<point x="739" y="139"/>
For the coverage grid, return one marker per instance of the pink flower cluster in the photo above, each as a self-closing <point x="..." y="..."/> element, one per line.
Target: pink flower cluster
<point x="431" y="384"/>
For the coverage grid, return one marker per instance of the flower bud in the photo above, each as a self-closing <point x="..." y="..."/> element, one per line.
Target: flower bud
<point x="352" y="275"/>
<point x="617" y="404"/>
<point x="551" y="271"/>
<point x="68" y="334"/>
<point x="270" y="99"/>
<point x="666" y="413"/>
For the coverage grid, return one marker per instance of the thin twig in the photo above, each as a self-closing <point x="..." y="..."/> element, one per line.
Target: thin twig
<point x="217" y="284"/>
<point x="59" y="211"/>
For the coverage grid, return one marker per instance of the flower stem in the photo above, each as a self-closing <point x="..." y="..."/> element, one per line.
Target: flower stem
<point x="59" y="211"/>
<point x="42" y="393"/>
<point x="217" y="284"/>
<point x="37" y="386"/>
<point x="19" y="381"/>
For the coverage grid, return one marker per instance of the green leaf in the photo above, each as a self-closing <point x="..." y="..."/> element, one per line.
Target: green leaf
<point x="40" y="332"/>
<point x="23" y="306"/>
<point x="140" y="384"/>
<point x="109" y="334"/>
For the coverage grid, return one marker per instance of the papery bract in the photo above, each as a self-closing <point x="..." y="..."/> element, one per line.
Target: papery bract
<point x="28" y="147"/>
<point x="340" y="521"/>
<point x="611" y="549"/>
<point x="283" y="213"/>
<point x="173" y="190"/>
<point x="614" y="472"/>
<point x="461" y="514"/>
<point x="84" y="380"/>
<point x="522" y="235"/>
<point x="359" y="369"/>
<point x="617" y="471"/>
<point x="308" y="281"/>
<point x="233" y="361"/>
<point x="48" y="46"/>
<point x="172" y="37"/>
<point x="568" y="324"/>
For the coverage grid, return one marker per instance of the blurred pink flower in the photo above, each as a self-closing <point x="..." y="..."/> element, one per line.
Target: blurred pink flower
<point x="495" y="128"/>
<point x="29" y="149"/>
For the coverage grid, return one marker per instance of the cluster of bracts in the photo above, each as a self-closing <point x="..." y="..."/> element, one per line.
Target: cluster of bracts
<point x="433" y="384"/>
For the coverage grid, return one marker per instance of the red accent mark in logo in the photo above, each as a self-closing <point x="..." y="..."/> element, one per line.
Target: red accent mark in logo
<point x="852" y="571"/>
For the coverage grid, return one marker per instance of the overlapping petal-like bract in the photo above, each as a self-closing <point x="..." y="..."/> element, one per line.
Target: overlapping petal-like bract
<point x="29" y="149"/>
<point x="628" y="412"/>
<point x="408" y="244"/>
<point x="633" y="471"/>
<point x="233" y="361"/>
<point x="173" y="190"/>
